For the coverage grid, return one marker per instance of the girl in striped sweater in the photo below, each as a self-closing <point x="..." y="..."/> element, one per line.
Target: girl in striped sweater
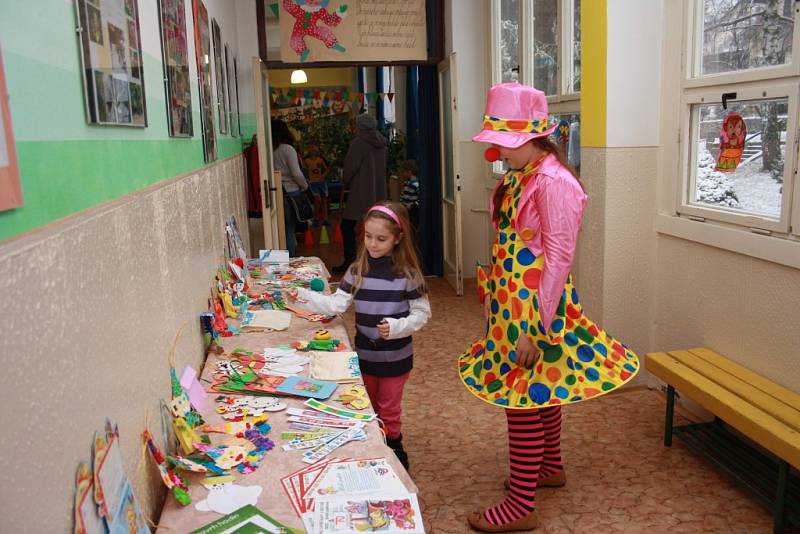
<point x="388" y="289"/>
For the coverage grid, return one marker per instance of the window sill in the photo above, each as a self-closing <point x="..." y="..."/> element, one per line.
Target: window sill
<point x="784" y="251"/>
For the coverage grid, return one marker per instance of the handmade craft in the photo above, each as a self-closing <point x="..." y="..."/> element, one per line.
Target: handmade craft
<point x="355" y="397"/>
<point x="339" y="366"/>
<point x="731" y="142"/>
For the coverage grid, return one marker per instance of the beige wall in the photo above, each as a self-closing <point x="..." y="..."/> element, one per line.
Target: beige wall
<point x="90" y="307"/>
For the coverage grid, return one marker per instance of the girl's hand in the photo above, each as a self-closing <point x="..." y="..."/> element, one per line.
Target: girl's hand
<point x="383" y="329"/>
<point x="527" y="354"/>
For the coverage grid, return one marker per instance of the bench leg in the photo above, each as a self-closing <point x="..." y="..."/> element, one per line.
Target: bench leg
<point x="670" y="412"/>
<point x="780" y="497"/>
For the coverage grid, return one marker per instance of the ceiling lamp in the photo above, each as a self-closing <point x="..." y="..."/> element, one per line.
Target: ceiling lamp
<point x="299" y="76"/>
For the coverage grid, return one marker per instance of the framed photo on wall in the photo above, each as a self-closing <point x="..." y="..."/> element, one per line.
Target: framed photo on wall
<point x="236" y="94"/>
<point x="219" y="71"/>
<point x="172" y="15"/>
<point x="202" y="46"/>
<point x="10" y="189"/>
<point x="111" y="57"/>
<point x="229" y="83"/>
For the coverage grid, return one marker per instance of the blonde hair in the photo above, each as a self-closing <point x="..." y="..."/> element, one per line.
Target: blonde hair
<point x="405" y="262"/>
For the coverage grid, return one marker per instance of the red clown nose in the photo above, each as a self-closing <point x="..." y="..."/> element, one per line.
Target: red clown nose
<point x="492" y="154"/>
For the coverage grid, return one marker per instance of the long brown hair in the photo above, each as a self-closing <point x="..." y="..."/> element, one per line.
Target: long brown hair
<point x="547" y="146"/>
<point x="405" y="262"/>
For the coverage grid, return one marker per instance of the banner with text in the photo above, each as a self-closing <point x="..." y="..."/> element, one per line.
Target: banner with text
<point x="352" y="30"/>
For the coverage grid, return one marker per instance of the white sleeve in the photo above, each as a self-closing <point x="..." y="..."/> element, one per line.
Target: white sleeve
<point x="417" y="317"/>
<point x="327" y="304"/>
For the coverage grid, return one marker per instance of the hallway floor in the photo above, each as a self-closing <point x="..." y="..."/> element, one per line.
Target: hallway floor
<point x="620" y="476"/>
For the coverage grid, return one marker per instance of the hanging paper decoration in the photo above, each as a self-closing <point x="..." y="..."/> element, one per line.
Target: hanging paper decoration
<point x="731" y="142"/>
<point x="562" y="135"/>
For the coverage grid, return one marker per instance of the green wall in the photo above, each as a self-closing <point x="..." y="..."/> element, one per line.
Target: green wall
<point x="66" y="165"/>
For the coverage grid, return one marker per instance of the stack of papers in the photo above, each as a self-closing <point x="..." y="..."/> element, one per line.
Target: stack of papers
<point x="340" y="488"/>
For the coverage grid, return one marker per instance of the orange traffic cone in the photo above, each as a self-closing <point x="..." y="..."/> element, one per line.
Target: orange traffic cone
<point x="308" y="240"/>
<point x="337" y="234"/>
<point x="323" y="236"/>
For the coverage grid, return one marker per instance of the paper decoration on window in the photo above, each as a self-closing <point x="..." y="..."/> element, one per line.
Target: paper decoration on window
<point x="373" y="30"/>
<point x="731" y="142"/>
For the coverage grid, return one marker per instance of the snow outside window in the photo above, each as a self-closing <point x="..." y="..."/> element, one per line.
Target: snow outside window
<point x="742" y="77"/>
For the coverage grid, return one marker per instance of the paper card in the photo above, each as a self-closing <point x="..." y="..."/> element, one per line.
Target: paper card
<point x="111" y="478"/>
<point x="315" y="455"/>
<point x="357" y="477"/>
<point x="330" y="410"/>
<point x="129" y="519"/>
<point x="268" y="319"/>
<point x="314" y="414"/>
<point x="86" y="519"/>
<point x="307" y="387"/>
<point x="228" y="497"/>
<point x="273" y="256"/>
<point x="342" y="423"/>
<point x="339" y="366"/>
<point x="197" y="395"/>
<point x="389" y="513"/>
<point x="246" y="520"/>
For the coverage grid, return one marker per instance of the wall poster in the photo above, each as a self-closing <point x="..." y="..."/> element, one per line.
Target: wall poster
<point x="10" y="189"/>
<point x="229" y="83"/>
<point x="219" y="72"/>
<point x="202" y="46"/>
<point x="342" y="30"/>
<point x="111" y="56"/>
<point x="176" y="67"/>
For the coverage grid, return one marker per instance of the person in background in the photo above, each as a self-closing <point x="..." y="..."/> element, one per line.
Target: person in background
<point x="318" y="169"/>
<point x="364" y="176"/>
<point x="410" y="195"/>
<point x="286" y="160"/>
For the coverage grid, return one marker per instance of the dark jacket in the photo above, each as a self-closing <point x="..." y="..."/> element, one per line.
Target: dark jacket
<point x="365" y="173"/>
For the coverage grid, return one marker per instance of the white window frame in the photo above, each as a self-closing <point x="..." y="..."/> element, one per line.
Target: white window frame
<point x="560" y="103"/>
<point x="773" y="239"/>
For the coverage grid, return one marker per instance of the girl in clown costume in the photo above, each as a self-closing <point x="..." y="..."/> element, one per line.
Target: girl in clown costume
<point x="540" y="352"/>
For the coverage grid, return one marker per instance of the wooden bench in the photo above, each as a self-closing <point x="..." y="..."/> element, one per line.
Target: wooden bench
<point x="759" y="409"/>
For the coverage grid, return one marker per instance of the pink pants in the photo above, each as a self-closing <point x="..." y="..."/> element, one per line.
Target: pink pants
<point x="386" y="395"/>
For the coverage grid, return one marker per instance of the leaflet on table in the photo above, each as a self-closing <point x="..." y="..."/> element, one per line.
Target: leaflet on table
<point x="388" y="513"/>
<point x="307" y="387"/>
<point x="246" y="520"/>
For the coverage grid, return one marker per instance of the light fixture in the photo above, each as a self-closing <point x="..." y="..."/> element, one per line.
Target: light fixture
<point x="299" y="76"/>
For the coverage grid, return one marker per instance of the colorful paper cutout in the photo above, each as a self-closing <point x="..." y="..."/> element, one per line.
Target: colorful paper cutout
<point x="732" y="139"/>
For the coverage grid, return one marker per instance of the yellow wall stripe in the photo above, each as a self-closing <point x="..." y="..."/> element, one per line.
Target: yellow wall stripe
<point x="594" y="44"/>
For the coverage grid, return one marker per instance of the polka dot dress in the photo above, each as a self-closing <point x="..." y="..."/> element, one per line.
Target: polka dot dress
<point x="585" y="362"/>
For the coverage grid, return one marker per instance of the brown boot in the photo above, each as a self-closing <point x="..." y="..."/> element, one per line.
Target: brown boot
<point x="478" y="522"/>
<point x="552" y="481"/>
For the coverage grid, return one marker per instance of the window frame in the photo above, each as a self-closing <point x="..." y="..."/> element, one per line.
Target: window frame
<point x="560" y="103"/>
<point x="679" y="85"/>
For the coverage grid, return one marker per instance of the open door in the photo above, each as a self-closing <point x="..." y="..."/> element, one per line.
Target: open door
<point x="451" y="180"/>
<point x="272" y="193"/>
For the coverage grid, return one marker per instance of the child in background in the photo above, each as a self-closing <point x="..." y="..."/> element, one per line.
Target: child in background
<point x="318" y="168"/>
<point x="388" y="288"/>
<point x="410" y="195"/>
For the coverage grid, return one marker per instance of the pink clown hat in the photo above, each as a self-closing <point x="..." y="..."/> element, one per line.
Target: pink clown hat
<point x="515" y="114"/>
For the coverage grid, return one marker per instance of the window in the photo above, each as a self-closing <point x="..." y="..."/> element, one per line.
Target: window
<point x="739" y="108"/>
<point x="537" y="42"/>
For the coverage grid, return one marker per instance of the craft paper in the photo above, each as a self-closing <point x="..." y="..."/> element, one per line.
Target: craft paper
<point x="268" y="320"/>
<point x="341" y="423"/>
<point x="338" y="366"/>
<point x="322" y="451"/>
<point x="228" y="497"/>
<point x="86" y="519"/>
<point x="197" y="395"/>
<point x="316" y="405"/>
<point x="111" y="478"/>
<point x="307" y="387"/>
<point x="129" y="519"/>
<point x="390" y="513"/>
<point x="273" y="256"/>
<point x="246" y="520"/>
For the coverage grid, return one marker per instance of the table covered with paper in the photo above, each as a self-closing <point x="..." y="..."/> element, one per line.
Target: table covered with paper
<point x="329" y="469"/>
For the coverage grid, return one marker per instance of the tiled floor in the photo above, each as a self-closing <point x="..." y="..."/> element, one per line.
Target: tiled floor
<point x="620" y="476"/>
